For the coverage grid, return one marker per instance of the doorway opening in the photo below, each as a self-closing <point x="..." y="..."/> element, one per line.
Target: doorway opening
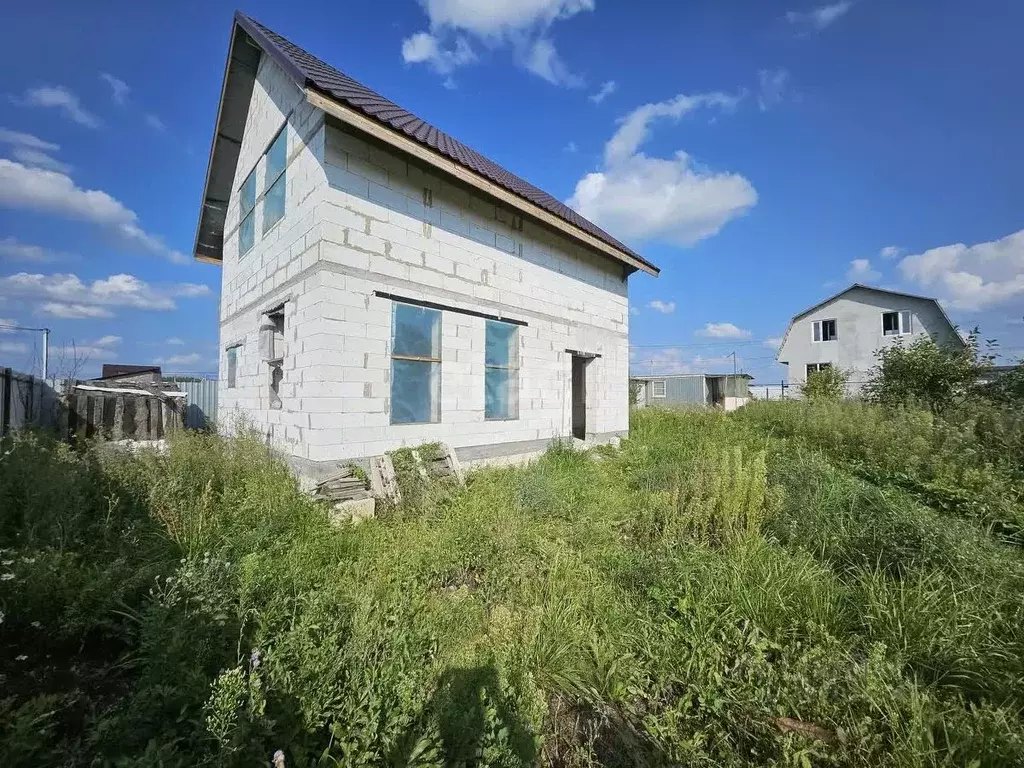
<point x="579" y="396"/>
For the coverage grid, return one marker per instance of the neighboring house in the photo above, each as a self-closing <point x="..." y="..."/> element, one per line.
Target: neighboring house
<point x="384" y="285"/>
<point x="726" y="390"/>
<point x="140" y="373"/>
<point x="846" y="329"/>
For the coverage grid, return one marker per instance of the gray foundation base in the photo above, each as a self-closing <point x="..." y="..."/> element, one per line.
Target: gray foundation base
<point x="471" y="457"/>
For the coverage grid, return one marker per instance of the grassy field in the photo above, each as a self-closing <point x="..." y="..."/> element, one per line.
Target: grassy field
<point x="790" y="585"/>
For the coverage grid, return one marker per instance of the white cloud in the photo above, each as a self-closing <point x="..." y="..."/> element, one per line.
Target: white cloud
<point x="60" y="98"/>
<point x="772" y="85"/>
<point x="571" y="147"/>
<point x="522" y="25"/>
<point x="818" y="18"/>
<point x="46" y="191"/>
<point x="155" y="123"/>
<point x="425" y="48"/>
<point x="971" y="277"/>
<point x="175" y="341"/>
<point x="665" y="307"/>
<point x="773" y="342"/>
<point x="543" y="60"/>
<point x="107" y="341"/>
<point x="37" y="159"/>
<point x="13" y="347"/>
<point x="190" y="359"/>
<point x="723" y="331"/>
<point x="674" y="200"/>
<point x="861" y="271"/>
<point x="634" y="311"/>
<point x="191" y="290"/>
<point x="675" y="360"/>
<point x="68" y="296"/>
<point x="606" y="90"/>
<point x="72" y="311"/>
<point x="891" y="252"/>
<point x="11" y="248"/>
<point x="19" y="139"/>
<point x="119" y="88"/>
<point x="6" y="321"/>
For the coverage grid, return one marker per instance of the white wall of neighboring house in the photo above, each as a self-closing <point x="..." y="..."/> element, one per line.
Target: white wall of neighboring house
<point x="858" y="314"/>
<point x="357" y="220"/>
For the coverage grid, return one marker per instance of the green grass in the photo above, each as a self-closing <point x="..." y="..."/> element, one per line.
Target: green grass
<point x="723" y="590"/>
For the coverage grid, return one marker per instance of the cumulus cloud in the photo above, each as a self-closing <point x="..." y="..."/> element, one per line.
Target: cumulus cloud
<point x="63" y="100"/>
<point x="19" y="139"/>
<point x="107" y="341"/>
<point x="723" y="331"/>
<point x="191" y="290"/>
<point x="772" y="86"/>
<point x="522" y="25"/>
<point x="118" y="87"/>
<point x="38" y="189"/>
<point x="971" y="277"/>
<point x="891" y="252"/>
<point x="32" y="151"/>
<point x="606" y="90"/>
<point x="861" y="271"/>
<point x="669" y="199"/>
<point x="819" y="18"/>
<point x="175" y="341"/>
<point x="68" y="296"/>
<point x="190" y="359"/>
<point x="14" y="250"/>
<point x="665" y="307"/>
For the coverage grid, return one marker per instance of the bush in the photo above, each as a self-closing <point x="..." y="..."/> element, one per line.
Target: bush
<point x="828" y="384"/>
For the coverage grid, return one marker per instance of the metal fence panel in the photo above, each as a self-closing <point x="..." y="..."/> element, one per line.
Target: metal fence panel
<point x="201" y="411"/>
<point x="686" y="389"/>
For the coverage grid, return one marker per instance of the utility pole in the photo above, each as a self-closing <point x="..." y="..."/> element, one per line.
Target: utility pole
<point x="733" y="356"/>
<point x="46" y="342"/>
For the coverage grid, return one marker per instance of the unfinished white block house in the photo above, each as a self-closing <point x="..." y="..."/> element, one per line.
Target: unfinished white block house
<point x="385" y="285"/>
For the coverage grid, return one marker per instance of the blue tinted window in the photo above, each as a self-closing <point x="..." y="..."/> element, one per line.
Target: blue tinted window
<point x="501" y="371"/>
<point x="273" y="200"/>
<point x="416" y="331"/>
<point x="415" y="364"/>
<point x="247" y="226"/>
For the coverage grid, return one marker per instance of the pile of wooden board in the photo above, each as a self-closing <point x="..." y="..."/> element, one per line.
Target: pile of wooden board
<point x="345" y="485"/>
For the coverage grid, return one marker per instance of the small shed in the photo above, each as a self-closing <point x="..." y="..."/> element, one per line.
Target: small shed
<point x="725" y="390"/>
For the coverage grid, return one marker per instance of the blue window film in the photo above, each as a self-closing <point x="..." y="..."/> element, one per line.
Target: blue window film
<point x="273" y="200"/>
<point x="415" y="391"/>
<point x="416" y="332"/>
<point x="247" y="203"/>
<point x="501" y="371"/>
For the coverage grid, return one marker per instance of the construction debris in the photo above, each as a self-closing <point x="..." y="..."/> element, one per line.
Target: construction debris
<point x="383" y="480"/>
<point x="348" y="484"/>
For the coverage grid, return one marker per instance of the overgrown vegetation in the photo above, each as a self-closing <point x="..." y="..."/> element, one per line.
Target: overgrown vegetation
<point x="795" y="584"/>
<point x="828" y="384"/>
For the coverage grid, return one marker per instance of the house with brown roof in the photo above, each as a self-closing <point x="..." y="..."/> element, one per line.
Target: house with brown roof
<point x="384" y="285"/>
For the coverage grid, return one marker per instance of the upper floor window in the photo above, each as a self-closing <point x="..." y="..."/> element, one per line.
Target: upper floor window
<point x="825" y="330"/>
<point x="415" y="364"/>
<point x="273" y="198"/>
<point x="897" y="323"/>
<point x="501" y="371"/>
<point x="658" y="388"/>
<point x="247" y="211"/>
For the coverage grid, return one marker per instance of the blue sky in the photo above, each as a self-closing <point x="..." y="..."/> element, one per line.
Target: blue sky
<point x="763" y="154"/>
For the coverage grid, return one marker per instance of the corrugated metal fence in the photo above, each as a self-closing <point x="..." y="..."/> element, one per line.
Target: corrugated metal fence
<point x="201" y="411"/>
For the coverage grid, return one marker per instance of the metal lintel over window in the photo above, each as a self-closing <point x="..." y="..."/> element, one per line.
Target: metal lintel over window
<point x="584" y="355"/>
<point x="447" y="308"/>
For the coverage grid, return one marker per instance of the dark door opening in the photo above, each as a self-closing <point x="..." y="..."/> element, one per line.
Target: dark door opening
<point x="579" y="397"/>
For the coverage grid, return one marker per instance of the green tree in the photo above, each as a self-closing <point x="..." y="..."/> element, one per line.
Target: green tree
<point x="926" y="374"/>
<point x="826" y="384"/>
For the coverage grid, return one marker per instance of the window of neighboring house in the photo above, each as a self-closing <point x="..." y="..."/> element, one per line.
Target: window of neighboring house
<point x="415" y="364"/>
<point x="273" y="198"/>
<point x="232" y="366"/>
<point x="897" y="323"/>
<point x="658" y="388"/>
<point x="247" y="211"/>
<point x="815" y="367"/>
<point x="824" y="330"/>
<point x="501" y="371"/>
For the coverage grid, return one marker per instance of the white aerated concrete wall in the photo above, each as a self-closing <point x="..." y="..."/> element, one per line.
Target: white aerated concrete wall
<point x="361" y="219"/>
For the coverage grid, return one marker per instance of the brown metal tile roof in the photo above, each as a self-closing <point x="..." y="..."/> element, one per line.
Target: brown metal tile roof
<point x="309" y="71"/>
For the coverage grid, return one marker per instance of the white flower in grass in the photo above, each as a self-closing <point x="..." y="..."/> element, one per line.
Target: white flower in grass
<point x="6" y="576"/>
<point x="37" y="625"/>
<point x="7" y="563"/>
<point x="23" y="657"/>
<point x="28" y="560"/>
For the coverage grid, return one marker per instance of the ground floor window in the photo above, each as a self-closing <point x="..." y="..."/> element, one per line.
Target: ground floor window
<point x="815" y="367"/>
<point x="232" y="366"/>
<point x="415" y="364"/>
<point x="501" y="371"/>
<point x="658" y="388"/>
